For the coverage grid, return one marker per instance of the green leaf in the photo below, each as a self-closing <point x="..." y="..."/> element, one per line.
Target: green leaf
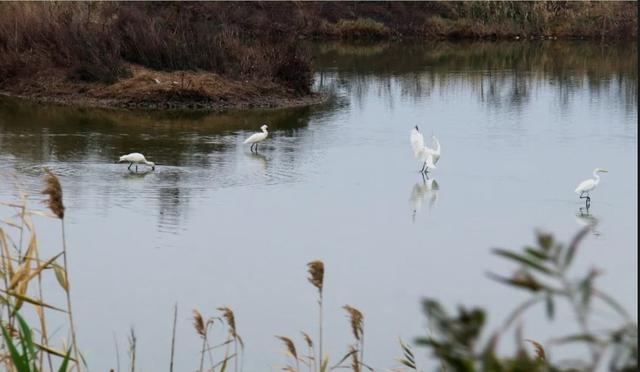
<point x="550" y="305"/>
<point x="537" y="254"/>
<point x="26" y="338"/>
<point x="407" y="363"/>
<point x="583" y="337"/>
<point x="523" y="260"/>
<point x="571" y="251"/>
<point x="65" y="362"/>
<point x="17" y="359"/>
<point x="527" y="283"/>
<point x="61" y="276"/>
<point x="324" y="365"/>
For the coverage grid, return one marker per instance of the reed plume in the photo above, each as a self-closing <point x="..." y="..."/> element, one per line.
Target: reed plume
<point x="291" y="348"/>
<point x="316" y="277"/>
<point x="230" y="318"/>
<point x="316" y="274"/>
<point x="307" y="339"/>
<point x="357" y="319"/>
<point x="357" y="327"/>
<point x="53" y="190"/>
<point x="198" y="324"/>
<point x="201" y="329"/>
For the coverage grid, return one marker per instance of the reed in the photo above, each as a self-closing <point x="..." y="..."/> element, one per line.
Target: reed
<point x="230" y="319"/>
<point x="173" y="336"/>
<point x="201" y="329"/>
<point x="53" y="191"/>
<point x="316" y="278"/>
<point x="310" y="347"/>
<point x="133" y="344"/>
<point x="357" y="327"/>
<point x="291" y="350"/>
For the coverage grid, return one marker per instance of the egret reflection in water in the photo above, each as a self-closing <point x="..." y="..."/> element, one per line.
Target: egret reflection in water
<point x="258" y="158"/>
<point x="586" y="219"/>
<point x="426" y="187"/>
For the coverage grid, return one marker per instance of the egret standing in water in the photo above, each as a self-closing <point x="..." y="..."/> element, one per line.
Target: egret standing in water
<point x="585" y="187"/>
<point x="136" y="158"/>
<point x="429" y="157"/>
<point x="257" y="137"/>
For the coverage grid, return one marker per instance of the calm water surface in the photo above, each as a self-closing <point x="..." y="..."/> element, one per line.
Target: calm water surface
<point x="520" y="126"/>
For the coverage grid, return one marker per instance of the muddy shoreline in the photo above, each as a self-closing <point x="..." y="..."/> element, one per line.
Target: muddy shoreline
<point x="221" y="106"/>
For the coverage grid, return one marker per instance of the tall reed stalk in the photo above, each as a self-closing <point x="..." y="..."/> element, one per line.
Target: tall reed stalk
<point x="316" y="277"/>
<point x="53" y="191"/>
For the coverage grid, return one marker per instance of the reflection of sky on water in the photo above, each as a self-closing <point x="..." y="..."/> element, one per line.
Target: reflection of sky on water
<point x="520" y="125"/>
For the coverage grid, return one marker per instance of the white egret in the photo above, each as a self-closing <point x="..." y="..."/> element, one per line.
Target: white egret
<point x="257" y="137"/>
<point x="429" y="157"/>
<point x="585" y="187"/>
<point x="136" y="158"/>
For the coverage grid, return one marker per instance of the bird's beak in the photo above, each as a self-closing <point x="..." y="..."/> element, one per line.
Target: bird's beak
<point x="604" y="170"/>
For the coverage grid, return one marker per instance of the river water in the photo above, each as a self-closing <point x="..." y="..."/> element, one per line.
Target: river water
<point x="521" y="124"/>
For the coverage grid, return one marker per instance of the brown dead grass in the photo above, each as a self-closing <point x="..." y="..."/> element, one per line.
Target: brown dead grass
<point x="147" y="88"/>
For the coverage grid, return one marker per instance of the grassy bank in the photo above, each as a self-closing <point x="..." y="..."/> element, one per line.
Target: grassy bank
<point x="143" y="54"/>
<point x="222" y="54"/>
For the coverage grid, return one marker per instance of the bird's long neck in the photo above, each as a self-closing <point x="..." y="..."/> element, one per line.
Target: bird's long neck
<point x="596" y="177"/>
<point x="265" y="131"/>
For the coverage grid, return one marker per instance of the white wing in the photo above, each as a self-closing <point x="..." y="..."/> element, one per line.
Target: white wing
<point x="430" y="161"/>
<point x="417" y="142"/>
<point x="586" y="185"/>
<point x="134" y="157"/>
<point x="253" y="138"/>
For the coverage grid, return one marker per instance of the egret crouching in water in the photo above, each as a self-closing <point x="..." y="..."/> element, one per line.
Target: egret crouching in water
<point x="257" y="137"/>
<point x="136" y="158"/>
<point x="586" y="186"/>
<point x="429" y="157"/>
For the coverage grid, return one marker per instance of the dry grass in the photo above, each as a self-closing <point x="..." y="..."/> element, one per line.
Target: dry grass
<point x="23" y="272"/>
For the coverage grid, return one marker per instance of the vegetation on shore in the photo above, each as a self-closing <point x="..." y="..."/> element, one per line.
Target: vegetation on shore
<point x="544" y="271"/>
<point x="223" y="54"/>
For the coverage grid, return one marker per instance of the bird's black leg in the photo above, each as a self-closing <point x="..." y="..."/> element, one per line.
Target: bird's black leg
<point x="136" y="168"/>
<point x="424" y="165"/>
<point x="256" y="147"/>
<point x="130" y="164"/>
<point x="253" y="144"/>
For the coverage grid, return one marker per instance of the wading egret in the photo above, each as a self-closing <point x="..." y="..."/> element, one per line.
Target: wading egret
<point x="585" y="187"/>
<point x="429" y="157"/>
<point x="136" y="158"/>
<point x="257" y="137"/>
